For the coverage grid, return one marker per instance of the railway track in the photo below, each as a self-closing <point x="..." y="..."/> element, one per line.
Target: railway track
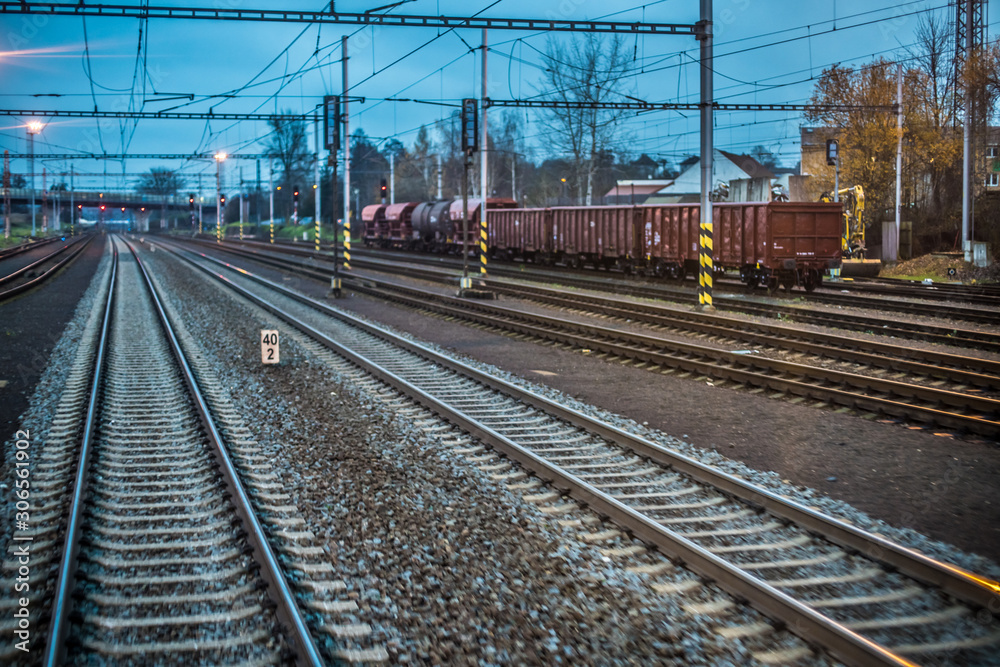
<point x="830" y="296"/>
<point x="930" y="394"/>
<point x="860" y="597"/>
<point x="26" y="247"/>
<point x="164" y="566"/>
<point x="167" y="553"/>
<point x="978" y="294"/>
<point x="19" y="274"/>
<point x="950" y="335"/>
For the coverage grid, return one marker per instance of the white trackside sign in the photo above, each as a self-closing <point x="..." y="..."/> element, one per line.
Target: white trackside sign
<point x="269" y="346"/>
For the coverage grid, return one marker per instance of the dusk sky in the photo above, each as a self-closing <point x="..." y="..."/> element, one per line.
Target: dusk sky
<point x="766" y="51"/>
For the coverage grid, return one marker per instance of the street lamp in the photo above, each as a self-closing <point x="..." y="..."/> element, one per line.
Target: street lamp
<point x="219" y="157"/>
<point x="34" y="127"/>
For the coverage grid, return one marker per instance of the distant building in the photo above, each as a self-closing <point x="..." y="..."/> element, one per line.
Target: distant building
<point x="634" y="192"/>
<point x="817" y="176"/>
<point x="726" y="167"/>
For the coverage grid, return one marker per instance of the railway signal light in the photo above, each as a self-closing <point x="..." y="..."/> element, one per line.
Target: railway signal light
<point x="831" y="152"/>
<point x="331" y="122"/>
<point x="295" y="194"/>
<point x="383" y="188"/>
<point x="102" y="207"/>
<point x="191" y="201"/>
<point x="222" y="200"/>
<point x="470" y="125"/>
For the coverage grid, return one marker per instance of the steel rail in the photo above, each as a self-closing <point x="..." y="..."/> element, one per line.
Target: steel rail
<point x="932" y="333"/>
<point x="65" y="577"/>
<point x="37" y="280"/>
<point x="799" y="617"/>
<point x="953" y="368"/>
<point x="938" y="334"/>
<point x="944" y="335"/>
<point x="811" y="381"/>
<point x="25" y="247"/>
<point x="14" y="275"/>
<point x="934" y="292"/>
<point x="300" y="639"/>
<point x="797" y="379"/>
<point x="941" y="365"/>
<point x="307" y="653"/>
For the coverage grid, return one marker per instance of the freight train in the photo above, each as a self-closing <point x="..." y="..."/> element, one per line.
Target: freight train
<point x="769" y="244"/>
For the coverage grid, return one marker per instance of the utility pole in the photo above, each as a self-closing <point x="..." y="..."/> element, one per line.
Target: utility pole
<point x="483" y="153"/>
<point x="331" y="118"/>
<point x="45" y="200"/>
<point x="706" y="271"/>
<point x="6" y="194"/>
<point x="239" y="203"/>
<point x="513" y="176"/>
<point x="317" y="186"/>
<point x="899" y="153"/>
<point x="270" y="195"/>
<point x="257" y="198"/>
<point x="72" y="208"/>
<point x="347" y="161"/>
<point x="392" y="178"/>
<point x="470" y="144"/>
<point x="439" y="195"/>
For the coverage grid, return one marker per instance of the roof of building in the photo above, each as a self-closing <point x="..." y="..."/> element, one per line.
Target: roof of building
<point x="628" y="188"/>
<point x="748" y="164"/>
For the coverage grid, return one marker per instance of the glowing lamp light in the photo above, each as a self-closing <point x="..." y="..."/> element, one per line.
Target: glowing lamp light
<point x="220" y="156"/>
<point x="35" y="127"/>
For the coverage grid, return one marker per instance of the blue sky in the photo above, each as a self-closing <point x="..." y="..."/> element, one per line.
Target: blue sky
<point x="767" y="51"/>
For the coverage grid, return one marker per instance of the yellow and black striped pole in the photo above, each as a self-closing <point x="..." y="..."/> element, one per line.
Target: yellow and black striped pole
<point x="317" y="234"/>
<point x="706" y="265"/>
<point x="272" y="230"/>
<point x="347" y="240"/>
<point x="705" y="105"/>
<point x="482" y="244"/>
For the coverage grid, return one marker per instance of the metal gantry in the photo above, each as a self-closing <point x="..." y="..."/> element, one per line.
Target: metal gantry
<point x="219" y="13"/>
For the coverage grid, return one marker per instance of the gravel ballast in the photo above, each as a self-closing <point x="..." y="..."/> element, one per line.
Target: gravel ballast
<point x="448" y="566"/>
<point x="931" y="492"/>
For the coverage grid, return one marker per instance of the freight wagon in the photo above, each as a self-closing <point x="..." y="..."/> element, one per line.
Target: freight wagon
<point x="767" y="243"/>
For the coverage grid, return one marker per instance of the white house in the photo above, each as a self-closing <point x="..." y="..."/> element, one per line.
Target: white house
<point x="726" y="167"/>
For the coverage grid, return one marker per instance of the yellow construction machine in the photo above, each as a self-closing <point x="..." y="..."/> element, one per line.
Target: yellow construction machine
<point x="853" y="238"/>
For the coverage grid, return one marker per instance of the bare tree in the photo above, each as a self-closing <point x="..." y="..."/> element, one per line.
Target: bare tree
<point x="933" y="143"/>
<point x="288" y="144"/>
<point x="162" y="182"/>
<point x="591" y="69"/>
